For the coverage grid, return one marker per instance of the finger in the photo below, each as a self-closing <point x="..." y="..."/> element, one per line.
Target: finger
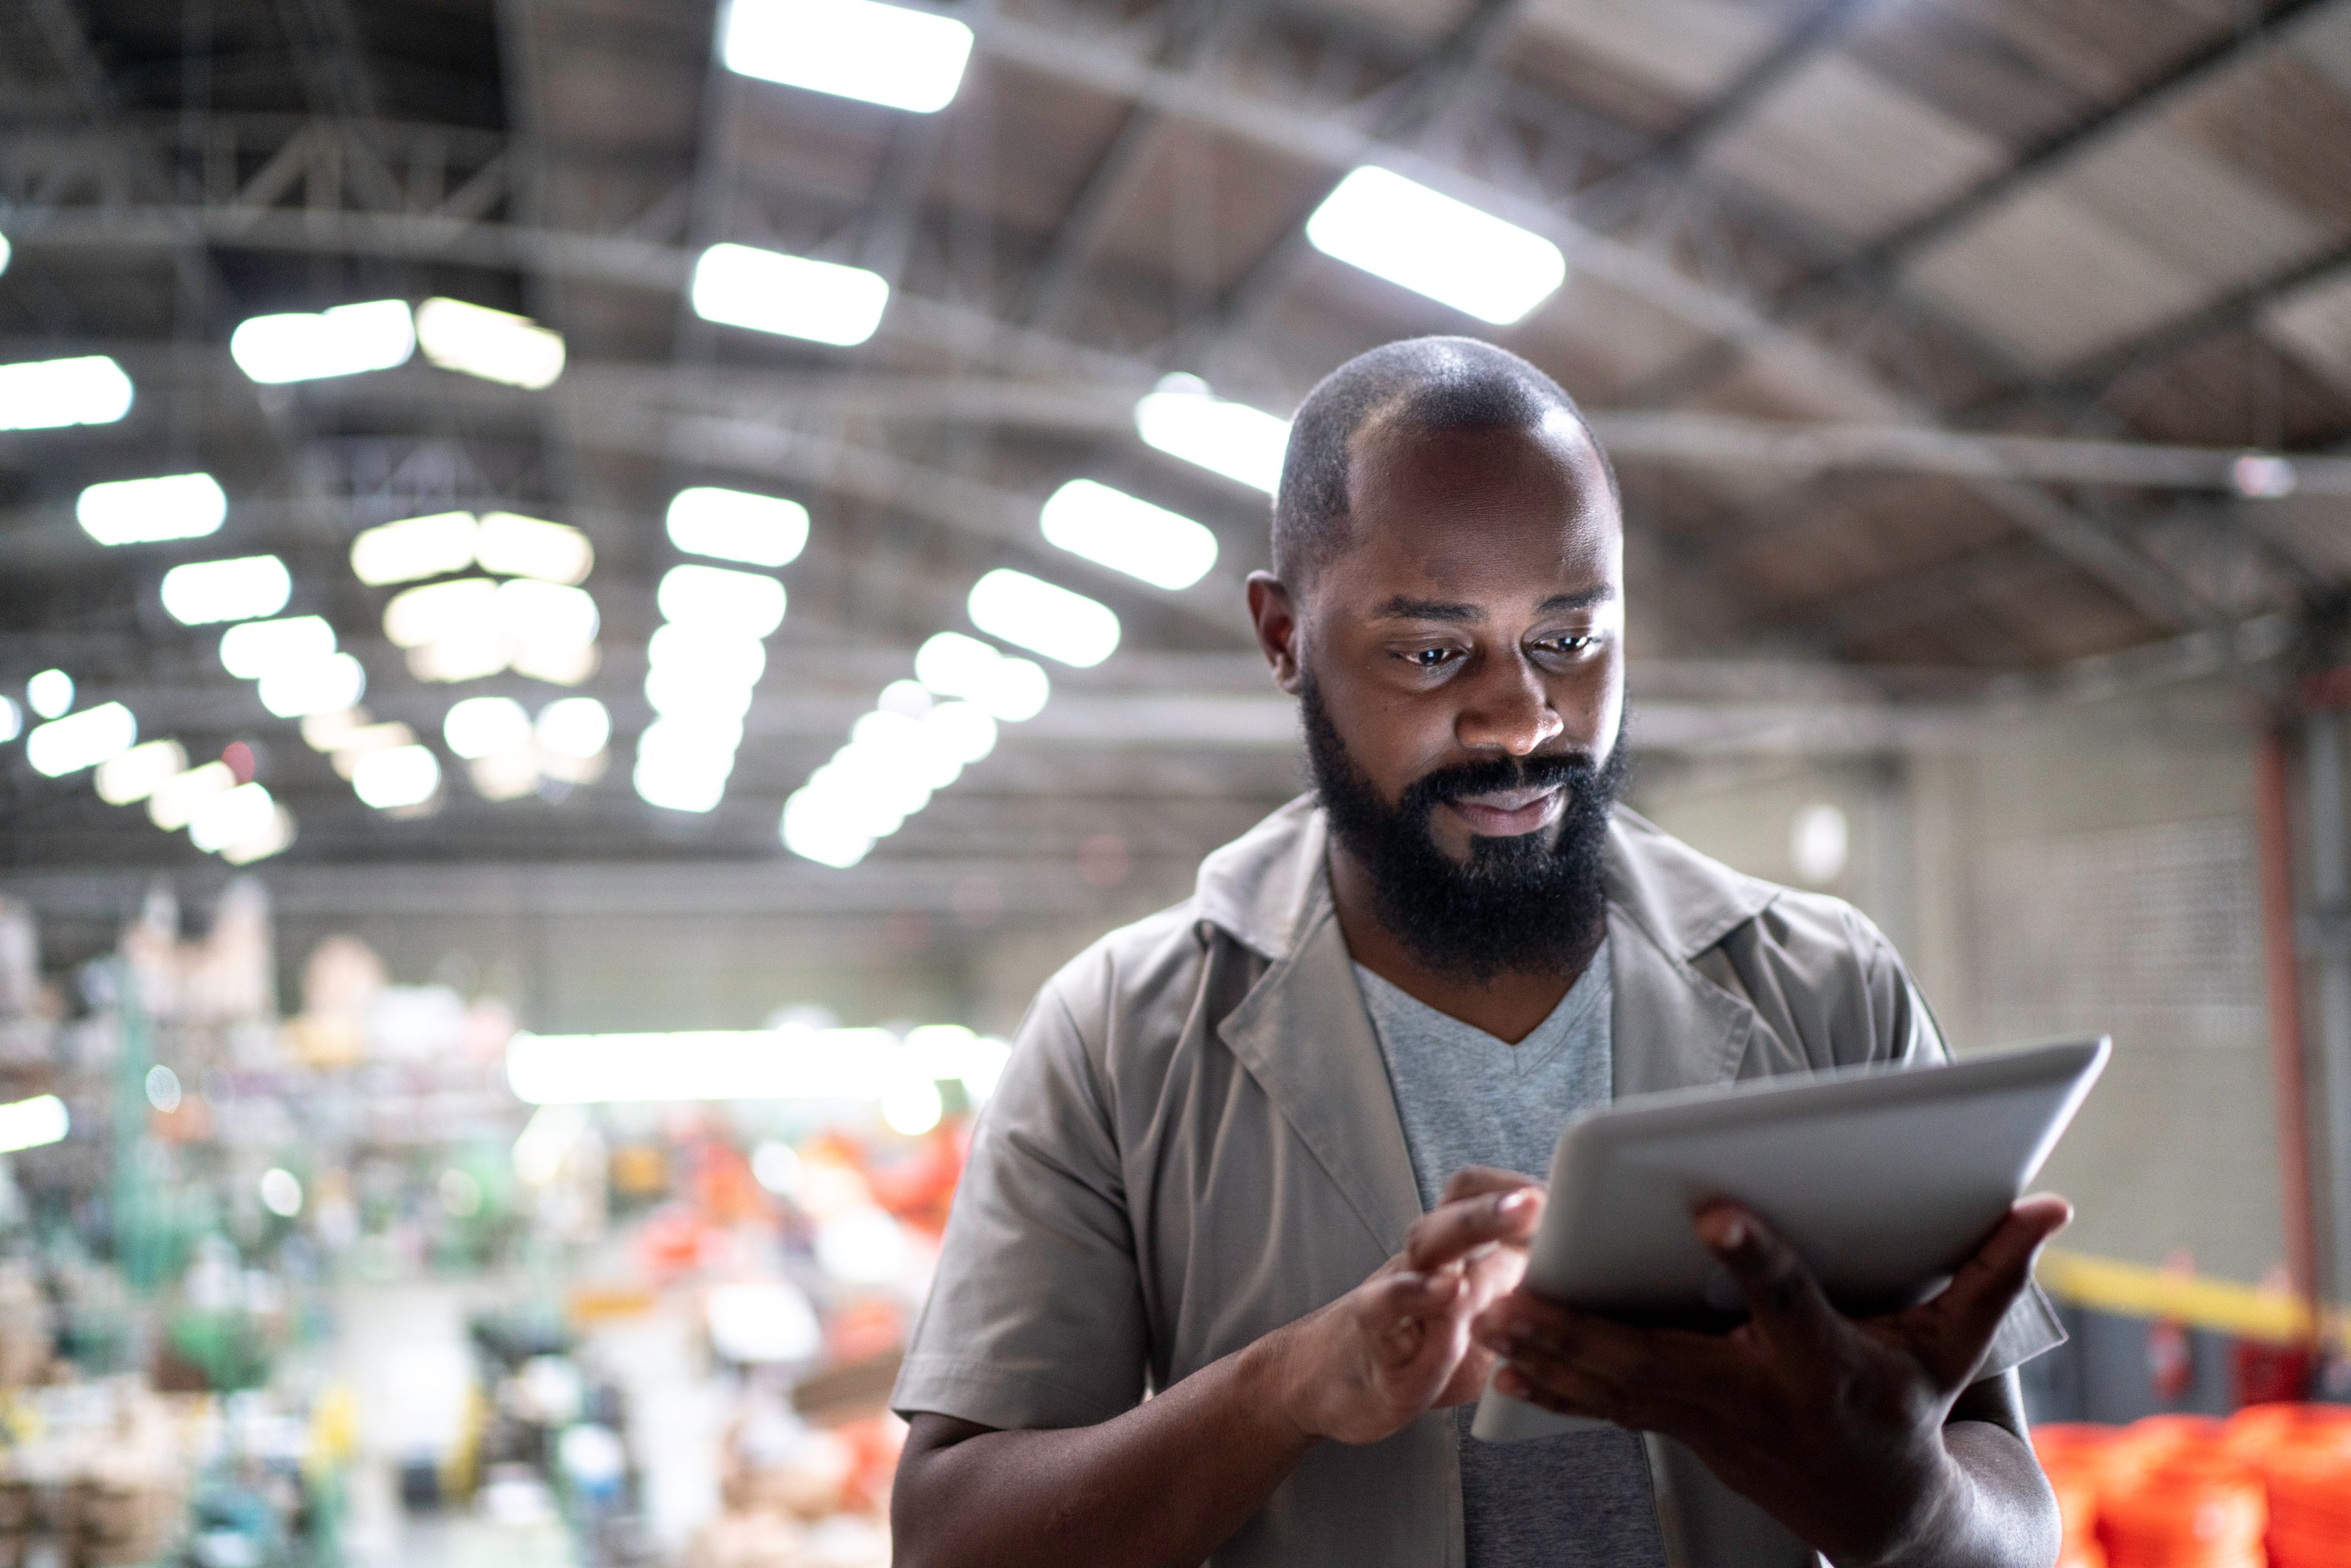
<point x="1477" y="1181"/>
<point x="1409" y="1295"/>
<point x="1963" y="1318"/>
<point x="1451" y="1230"/>
<point x="1782" y="1297"/>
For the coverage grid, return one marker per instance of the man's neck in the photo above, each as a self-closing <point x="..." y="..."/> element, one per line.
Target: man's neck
<point x="1507" y="1006"/>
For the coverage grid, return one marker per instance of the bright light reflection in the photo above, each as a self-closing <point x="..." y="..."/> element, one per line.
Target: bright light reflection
<point x="1128" y="534"/>
<point x="172" y="803"/>
<point x="437" y="610"/>
<point x="313" y="686"/>
<point x="850" y="49"/>
<point x="345" y="341"/>
<point x="231" y="816"/>
<point x="50" y="694"/>
<point x="1046" y="619"/>
<point x="1425" y="241"/>
<point x="483" y="726"/>
<point x="574" y="726"/>
<point x="33" y="1123"/>
<point x="396" y="777"/>
<point x="529" y="611"/>
<point x="143" y="511"/>
<point x="247" y="587"/>
<point x="47" y="394"/>
<point x="767" y="292"/>
<point x="1243" y="443"/>
<point x="734" y="525"/>
<point x="716" y="657"/>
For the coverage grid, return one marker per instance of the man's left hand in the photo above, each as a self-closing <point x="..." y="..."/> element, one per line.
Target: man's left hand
<point x="1833" y="1425"/>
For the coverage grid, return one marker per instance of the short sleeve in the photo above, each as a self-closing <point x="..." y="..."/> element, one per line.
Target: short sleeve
<point x="1035" y="1317"/>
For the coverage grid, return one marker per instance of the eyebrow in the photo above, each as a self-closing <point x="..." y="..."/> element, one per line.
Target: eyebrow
<point x="1405" y="608"/>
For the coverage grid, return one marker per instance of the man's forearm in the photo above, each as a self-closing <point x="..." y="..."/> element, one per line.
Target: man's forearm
<point x="1158" y="1487"/>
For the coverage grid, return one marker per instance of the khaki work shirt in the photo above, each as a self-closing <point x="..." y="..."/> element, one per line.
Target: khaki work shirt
<point x="1194" y="1142"/>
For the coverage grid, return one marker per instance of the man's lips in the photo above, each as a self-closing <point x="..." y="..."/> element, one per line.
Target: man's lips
<point x="1505" y="813"/>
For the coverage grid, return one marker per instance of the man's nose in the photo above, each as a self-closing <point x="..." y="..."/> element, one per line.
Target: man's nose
<point x="1508" y="710"/>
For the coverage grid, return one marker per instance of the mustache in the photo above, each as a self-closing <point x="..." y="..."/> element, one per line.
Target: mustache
<point x="1572" y="771"/>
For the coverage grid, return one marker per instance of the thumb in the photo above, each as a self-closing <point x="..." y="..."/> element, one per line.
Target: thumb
<point x="1962" y="1319"/>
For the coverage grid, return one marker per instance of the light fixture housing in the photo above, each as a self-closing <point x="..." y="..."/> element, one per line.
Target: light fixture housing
<point x="348" y="340"/>
<point x="50" y="395"/>
<point x="1044" y="618"/>
<point x="1128" y="534"/>
<point x="793" y="296"/>
<point x="735" y="525"/>
<point x="145" y="511"/>
<point x="1425" y="241"/>
<point x="491" y="344"/>
<point x="888" y="55"/>
<point x="243" y="588"/>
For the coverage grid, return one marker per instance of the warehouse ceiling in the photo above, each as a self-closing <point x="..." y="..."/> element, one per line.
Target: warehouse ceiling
<point x="1926" y="334"/>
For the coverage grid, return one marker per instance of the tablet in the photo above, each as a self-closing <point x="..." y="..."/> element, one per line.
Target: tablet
<point x="1883" y="1178"/>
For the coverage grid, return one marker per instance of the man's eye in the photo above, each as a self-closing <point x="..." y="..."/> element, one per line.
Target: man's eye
<point x="1568" y="644"/>
<point x="1429" y="658"/>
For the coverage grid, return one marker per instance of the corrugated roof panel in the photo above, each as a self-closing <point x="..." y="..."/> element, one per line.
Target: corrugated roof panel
<point x="2322" y="42"/>
<point x="1415" y="21"/>
<point x="1203" y="208"/>
<point x="2281" y="123"/>
<point x="2187" y="206"/>
<point x="1968" y="71"/>
<point x="1844" y="147"/>
<point x="1687" y="48"/>
<point x="1617" y="339"/>
<point x="2313" y="325"/>
<point x="1022" y="144"/>
<point x="2235" y="388"/>
<point x="2052" y="280"/>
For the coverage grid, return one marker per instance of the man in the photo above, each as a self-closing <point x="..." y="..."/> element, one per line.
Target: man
<point x="1240" y="1238"/>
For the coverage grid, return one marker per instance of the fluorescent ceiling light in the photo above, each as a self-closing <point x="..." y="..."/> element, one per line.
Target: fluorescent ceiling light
<point x="506" y="775"/>
<point x="1395" y="228"/>
<point x="352" y="745"/>
<point x="716" y="599"/>
<point x="142" y="511"/>
<point x="676" y="693"/>
<point x="574" y="726"/>
<point x="133" y="776"/>
<point x="466" y="655"/>
<point x="1128" y="534"/>
<point x="483" y="726"/>
<point x="964" y="731"/>
<point x="174" y="802"/>
<point x="12" y="719"/>
<point x="81" y="740"/>
<point x="254" y="648"/>
<point x="342" y="341"/>
<point x="515" y="545"/>
<point x="955" y="665"/>
<point x="47" y="394"/>
<point x="719" y="658"/>
<point x="1043" y="618"/>
<point x="6" y="252"/>
<point x="1243" y="443"/>
<point x="561" y="663"/>
<point x="535" y="612"/>
<point x="244" y="588"/>
<point x="50" y="694"/>
<point x="852" y="48"/>
<point x="813" y="827"/>
<point x="33" y="1123"/>
<point x="278" y="835"/>
<point x="397" y="777"/>
<point x="419" y="615"/>
<point x="734" y="525"/>
<point x="678" y="783"/>
<point x="770" y="292"/>
<point x="488" y="344"/>
<point x="231" y="816"/>
<point x="313" y="686"/>
<point x="412" y="547"/>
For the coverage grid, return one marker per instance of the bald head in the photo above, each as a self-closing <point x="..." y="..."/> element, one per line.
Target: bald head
<point x="1419" y="387"/>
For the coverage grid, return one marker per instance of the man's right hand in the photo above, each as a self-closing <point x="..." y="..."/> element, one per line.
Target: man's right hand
<point x="1399" y="1345"/>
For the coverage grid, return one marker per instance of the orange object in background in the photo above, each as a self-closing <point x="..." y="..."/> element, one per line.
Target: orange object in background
<point x="2272" y="1485"/>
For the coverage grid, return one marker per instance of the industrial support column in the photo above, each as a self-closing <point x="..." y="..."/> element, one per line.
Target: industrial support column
<point x="2330" y="886"/>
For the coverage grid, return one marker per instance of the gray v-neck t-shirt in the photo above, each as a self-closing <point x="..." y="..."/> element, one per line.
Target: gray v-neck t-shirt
<point x="1580" y="1500"/>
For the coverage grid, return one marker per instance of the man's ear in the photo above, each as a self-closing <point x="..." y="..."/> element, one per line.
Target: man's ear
<point x="1274" y="614"/>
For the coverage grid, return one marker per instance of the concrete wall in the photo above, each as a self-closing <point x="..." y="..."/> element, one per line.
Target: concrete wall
<point x="2084" y="869"/>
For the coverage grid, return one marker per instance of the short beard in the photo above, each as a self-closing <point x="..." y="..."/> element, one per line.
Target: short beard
<point x="1521" y="905"/>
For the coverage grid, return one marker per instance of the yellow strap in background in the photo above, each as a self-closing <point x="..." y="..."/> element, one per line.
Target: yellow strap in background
<point x="2224" y="1306"/>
